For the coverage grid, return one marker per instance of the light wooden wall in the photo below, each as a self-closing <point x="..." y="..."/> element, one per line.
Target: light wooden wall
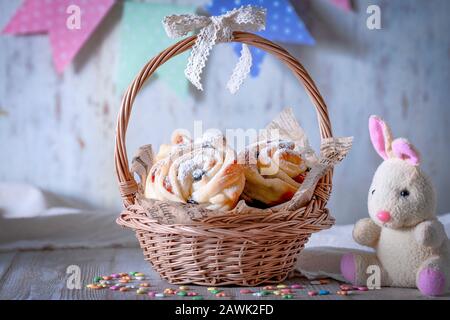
<point x="57" y="132"/>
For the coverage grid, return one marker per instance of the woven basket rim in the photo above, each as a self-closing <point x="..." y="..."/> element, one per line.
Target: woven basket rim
<point x="282" y="223"/>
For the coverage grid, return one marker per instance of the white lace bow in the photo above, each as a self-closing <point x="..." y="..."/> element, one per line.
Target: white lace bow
<point x="212" y="30"/>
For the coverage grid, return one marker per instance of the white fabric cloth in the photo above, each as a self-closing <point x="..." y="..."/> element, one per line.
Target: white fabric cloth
<point x="31" y="219"/>
<point x="213" y="30"/>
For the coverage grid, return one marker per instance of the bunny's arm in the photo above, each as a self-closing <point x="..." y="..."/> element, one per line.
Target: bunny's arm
<point x="430" y="233"/>
<point x="366" y="232"/>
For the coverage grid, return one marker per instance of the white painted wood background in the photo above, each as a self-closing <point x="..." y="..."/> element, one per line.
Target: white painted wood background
<point x="57" y="132"/>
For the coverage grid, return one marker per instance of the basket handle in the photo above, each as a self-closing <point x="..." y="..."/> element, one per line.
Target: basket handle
<point x="127" y="185"/>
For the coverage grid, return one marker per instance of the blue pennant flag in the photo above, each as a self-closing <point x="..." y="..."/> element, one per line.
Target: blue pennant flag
<point x="282" y="25"/>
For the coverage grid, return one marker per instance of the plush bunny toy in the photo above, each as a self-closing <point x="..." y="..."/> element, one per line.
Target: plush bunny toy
<point x="411" y="247"/>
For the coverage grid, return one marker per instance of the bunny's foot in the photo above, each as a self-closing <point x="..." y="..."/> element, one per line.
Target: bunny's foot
<point x="431" y="279"/>
<point x="354" y="268"/>
<point x="348" y="267"/>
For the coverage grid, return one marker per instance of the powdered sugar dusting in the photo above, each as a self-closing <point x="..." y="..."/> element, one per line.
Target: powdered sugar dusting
<point x="201" y="159"/>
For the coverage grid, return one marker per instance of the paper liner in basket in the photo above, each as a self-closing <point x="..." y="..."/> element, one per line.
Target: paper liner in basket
<point x="284" y="127"/>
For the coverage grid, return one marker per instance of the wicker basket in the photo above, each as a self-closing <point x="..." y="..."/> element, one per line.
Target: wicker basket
<point x="226" y="249"/>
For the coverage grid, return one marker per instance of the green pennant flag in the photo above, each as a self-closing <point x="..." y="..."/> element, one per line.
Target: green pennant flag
<point x="142" y="37"/>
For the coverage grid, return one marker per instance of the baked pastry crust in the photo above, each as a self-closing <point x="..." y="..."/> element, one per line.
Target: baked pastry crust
<point x="274" y="170"/>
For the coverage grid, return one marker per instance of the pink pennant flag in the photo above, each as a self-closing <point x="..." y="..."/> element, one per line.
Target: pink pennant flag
<point x="343" y="4"/>
<point x="69" y="24"/>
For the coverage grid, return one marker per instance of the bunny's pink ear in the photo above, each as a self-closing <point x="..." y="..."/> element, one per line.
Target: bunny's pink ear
<point x="381" y="136"/>
<point x="404" y="150"/>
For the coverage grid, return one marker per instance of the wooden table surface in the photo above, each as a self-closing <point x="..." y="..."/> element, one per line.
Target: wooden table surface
<point x="43" y="275"/>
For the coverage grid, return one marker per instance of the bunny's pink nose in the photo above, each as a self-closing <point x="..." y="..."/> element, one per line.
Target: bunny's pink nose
<point x="383" y="216"/>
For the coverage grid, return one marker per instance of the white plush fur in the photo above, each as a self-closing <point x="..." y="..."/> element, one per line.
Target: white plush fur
<point x="412" y="239"/>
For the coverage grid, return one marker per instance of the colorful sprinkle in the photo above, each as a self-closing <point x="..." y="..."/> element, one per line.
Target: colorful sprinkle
<point x="115" y="276"/>
<point x="215" y="291"/>
<point x="277" y="292"/>
<point x="245" y="291"/>
<point x="169" y="291"/>
<point x="97" y="279"/>
<point x="281" y="286"/>
<point x="212" y="288"/>
<point x="344" y="293"/>
<point x="123" y="289"/>
<point x="221" y="294"/>
<point x="345" y="287"/>
<point x="183" y="288"/>
<point x="296" y="286"/>
<point x="288" y="296"/>
<point x="269" y="288"/>
<point x="94" y="286"/>
<point x="191" y="293"/>
<point x="323" y="292"/>
<point x="159" y="295"/>
<point x="145" y="284"/>
<point x="197" y="298"/>
<point x="141" y="291"/>
<point x="182" y="293"/>
<point x="114" y="288"/>
<point x="312" y="293"/>
<point x="151" y="294"/>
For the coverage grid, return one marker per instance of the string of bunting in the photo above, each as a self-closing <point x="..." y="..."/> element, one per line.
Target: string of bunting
<point x="70" y="23"/>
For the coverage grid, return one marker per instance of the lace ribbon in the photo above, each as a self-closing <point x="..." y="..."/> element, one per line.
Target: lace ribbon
<point x="211" y="31"/>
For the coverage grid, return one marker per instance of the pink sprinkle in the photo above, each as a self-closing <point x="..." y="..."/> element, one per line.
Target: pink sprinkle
<point x="286" y="291"/>
<point x="114" y="288"/>
<point x="115" y="276"/>
<point x="191" y="294"/>
<point x="312" y="293"/>
<point x="246" y="291"/>
<point x="296" y="286"/>
<point x="345" y="287"/>
<point x="151" y="294"/>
